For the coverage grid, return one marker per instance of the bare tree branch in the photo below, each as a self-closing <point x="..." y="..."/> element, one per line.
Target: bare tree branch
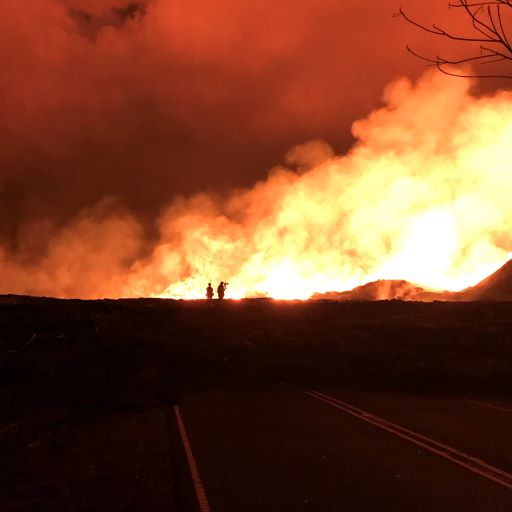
<point x="503" y="31"/>
<point x="439" y="31"/>
<point x="487" y="22"/>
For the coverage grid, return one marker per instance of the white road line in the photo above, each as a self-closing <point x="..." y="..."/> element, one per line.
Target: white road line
<point x="490" y="406"/>
<point x="204" y="506"/>
<point x="473" y="464"/>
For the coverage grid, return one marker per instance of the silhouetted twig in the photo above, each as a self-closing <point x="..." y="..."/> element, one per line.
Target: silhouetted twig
<point x="487" y="21"/>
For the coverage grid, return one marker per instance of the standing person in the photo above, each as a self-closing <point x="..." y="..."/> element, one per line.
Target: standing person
<point x="209" y="291"/>
<point x="221" y="289"/>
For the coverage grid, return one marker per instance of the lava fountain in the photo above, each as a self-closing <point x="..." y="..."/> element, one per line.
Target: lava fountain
<point x="423" y="195"/>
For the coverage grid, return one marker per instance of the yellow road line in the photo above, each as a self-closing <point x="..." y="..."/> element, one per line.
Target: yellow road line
<point x="204" y="506"/>
<point x="473" y="464"/>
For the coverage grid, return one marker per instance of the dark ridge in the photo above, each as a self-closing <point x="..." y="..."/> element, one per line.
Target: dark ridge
<point x="496" y="287"/>
<point x="387" y="289"/>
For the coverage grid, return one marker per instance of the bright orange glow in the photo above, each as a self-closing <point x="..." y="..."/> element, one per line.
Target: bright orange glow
<point x="424" y="195"/>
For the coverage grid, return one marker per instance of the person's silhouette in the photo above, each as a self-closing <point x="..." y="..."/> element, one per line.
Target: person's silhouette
<point x="221" y="289"/>
<point x="209" y="291"/>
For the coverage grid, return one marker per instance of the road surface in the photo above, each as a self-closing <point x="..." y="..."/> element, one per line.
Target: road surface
<point x="341" y="451"/>
<point x="286" y="451"/>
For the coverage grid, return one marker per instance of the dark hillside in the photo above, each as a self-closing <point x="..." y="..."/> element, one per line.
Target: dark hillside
<point x="497" y="286"/>
<point x="91" y="355"/>
<point x="387" y="289"/>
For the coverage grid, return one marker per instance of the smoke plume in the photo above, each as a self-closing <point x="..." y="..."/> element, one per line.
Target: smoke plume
<point x="422" y="195"/>
<point x="116" y="113"/>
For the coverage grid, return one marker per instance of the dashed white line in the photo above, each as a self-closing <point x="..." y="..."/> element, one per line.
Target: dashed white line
<point x="202" y="499"/>
<point x="473" y="464"/>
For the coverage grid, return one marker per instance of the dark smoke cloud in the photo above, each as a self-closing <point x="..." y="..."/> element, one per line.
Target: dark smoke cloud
<point x="127" y="105"/>
<point x="91" y="21"/>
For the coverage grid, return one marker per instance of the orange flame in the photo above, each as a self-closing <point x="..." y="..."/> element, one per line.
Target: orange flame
<point x="423" y="195"/>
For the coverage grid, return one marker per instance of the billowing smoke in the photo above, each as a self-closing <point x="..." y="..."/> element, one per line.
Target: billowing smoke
<point x="115" y="113"/>
<point x="149" y="99"/>
<point x="422" y="195"/>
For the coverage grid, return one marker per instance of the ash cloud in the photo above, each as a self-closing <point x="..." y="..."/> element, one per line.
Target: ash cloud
<point x="111" y="110"/>
<point x="92" y="19"/>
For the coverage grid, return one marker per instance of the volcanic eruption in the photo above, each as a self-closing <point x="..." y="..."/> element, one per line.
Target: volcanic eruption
<point x="422" y="196"/>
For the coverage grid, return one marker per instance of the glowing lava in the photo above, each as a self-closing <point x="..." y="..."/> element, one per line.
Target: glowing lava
<point x="424" y="195"/>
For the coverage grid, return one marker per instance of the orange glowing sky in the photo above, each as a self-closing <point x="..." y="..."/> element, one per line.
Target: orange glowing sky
<point x="149" y="147"/>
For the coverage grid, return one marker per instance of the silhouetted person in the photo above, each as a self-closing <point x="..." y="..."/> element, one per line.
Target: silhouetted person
<point x="221" y="289"/>
<point x="209" y="291"/>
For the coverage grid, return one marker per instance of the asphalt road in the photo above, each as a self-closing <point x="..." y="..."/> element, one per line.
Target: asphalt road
<point x="291" y="451"/>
